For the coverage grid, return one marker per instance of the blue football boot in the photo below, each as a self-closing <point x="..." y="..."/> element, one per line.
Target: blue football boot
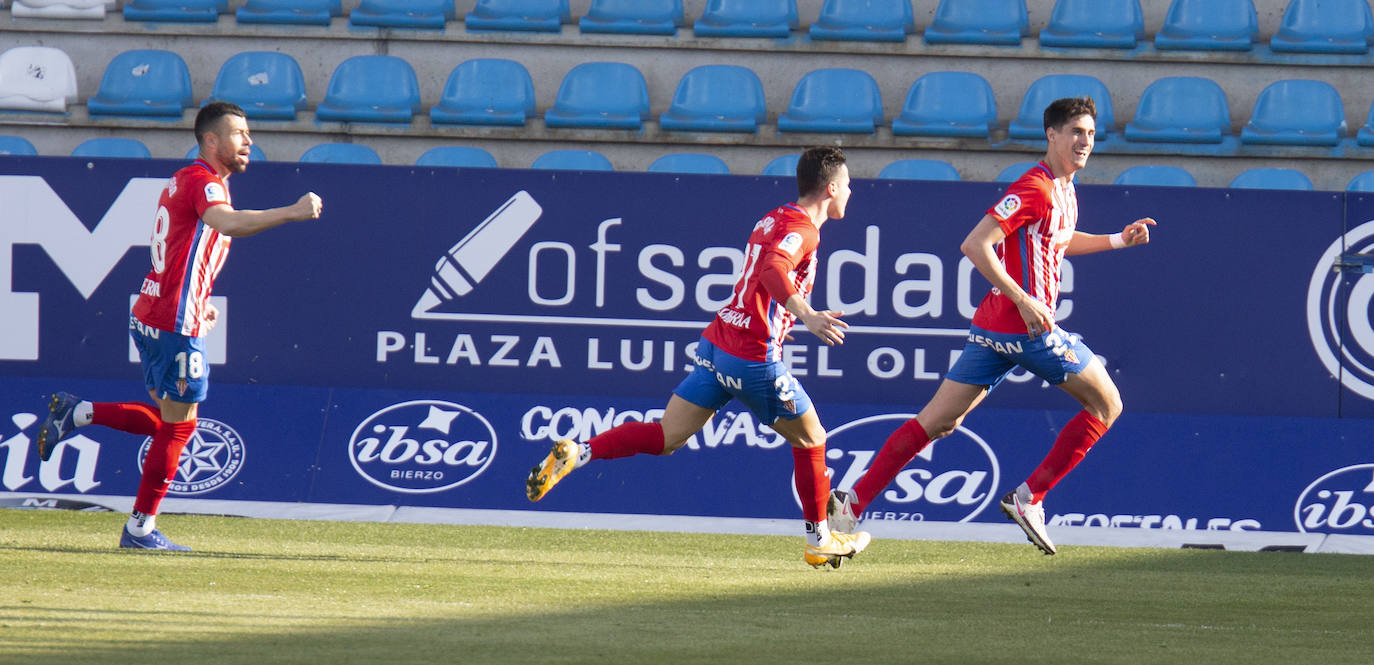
<point x="60" y="424"/>
<point x="152" y="541"/>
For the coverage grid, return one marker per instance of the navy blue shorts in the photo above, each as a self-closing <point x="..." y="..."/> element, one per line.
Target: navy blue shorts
<point x="766" y="388"/>
<point x="989" y="356"/>
<point x="174" y="365"/>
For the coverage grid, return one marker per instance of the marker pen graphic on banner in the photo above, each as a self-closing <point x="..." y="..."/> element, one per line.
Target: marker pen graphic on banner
<point x="469" y="261"/>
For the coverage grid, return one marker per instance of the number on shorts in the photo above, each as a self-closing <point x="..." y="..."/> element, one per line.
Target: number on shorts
<point x="192" y="367"/>
<point x="786" y="387"/>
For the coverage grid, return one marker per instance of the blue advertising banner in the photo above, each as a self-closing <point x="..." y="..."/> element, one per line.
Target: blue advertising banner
<point x="424" y="341"/>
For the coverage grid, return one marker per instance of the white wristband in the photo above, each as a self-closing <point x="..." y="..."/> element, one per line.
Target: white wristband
<point x="1117" y="241"/>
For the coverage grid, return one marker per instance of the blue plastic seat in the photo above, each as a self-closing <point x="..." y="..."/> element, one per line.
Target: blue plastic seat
<point x="414" y="14"/>
<point x="1296" y="112"/>
<point x="747" y="18"/>
<point x="1365" y="136"/>
<point x="1363" y="182"/>
<point x="175" y="11"/>
<point x="144" y="83"/>
<point x="255" y="153"/>
<point x="919" y="169"/>
<point x="1094" y="24"/>
<point x="1029" y="124"/>
<point x="371" y="88"/>
<point x="607" y="95"/>
<point x="1162" y="176"/>
<point x="717" y="98"/>
<point x="689" y="162"/>
<point x="642" y="17"/>
<point x="1209" y="25"/>
<point x="266" y="84"/>
<point x="461" y="156"/>
<point x="1271" y="178"/>
<point x="785" y="165"/>
<point x="948" y="104"/>
<point x="1181" y="109"/>
<point x="486" y="91"/>
<point x="572" y="160"/>
<point x="1011" y="173"/>
<point x="112" y="147"/>
<point x="17" y="146"/>
<point x="834" y="100"/>
<point x="294" y="12"/>
<point x="341" y="153"/>
<point x="864" y="20"/>
<point x="997" y="22"/>
<point x="522" y="15"/>
<point x="1325" y="26"/>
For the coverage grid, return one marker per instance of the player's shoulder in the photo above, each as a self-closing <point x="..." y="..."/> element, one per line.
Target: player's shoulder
<point x="200" y="178"/>
<point x="1031" y="191"/>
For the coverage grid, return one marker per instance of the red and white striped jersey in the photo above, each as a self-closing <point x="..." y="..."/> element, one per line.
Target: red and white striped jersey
<point x="187" y="254"/>
<point x="1038" y="216"/>
<point x="753" y="324"/>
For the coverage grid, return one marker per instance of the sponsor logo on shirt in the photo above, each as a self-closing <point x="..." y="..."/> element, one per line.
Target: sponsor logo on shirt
<point x="1007" y="206"/>
<point x="214" y="193"/>
<point x="791" y="243"/>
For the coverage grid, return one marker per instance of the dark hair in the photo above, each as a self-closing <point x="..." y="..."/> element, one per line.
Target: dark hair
<point x="816" y="168"/>
<point x="1063" y="110"/>
<point x="208" y="117"/>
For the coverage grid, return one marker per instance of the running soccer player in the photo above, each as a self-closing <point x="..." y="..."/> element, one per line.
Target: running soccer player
<point x="1019" y="246"/>
<point x="739" y="356"/>
<point x="191" y="234"/>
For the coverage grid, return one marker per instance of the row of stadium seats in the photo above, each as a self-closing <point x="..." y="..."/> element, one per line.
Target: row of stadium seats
<point x="699" y="163"/>
<point x="1309" y="26"/>
<point x="1189" y="111"/>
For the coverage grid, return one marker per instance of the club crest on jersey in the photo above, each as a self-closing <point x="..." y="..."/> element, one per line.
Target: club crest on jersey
<point x="214" y="193"/>
<point x="790" y="243"/>
<point x="1007" y="206"/>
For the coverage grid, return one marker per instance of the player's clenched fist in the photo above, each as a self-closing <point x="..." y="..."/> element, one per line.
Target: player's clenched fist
<point x="309" y="206"/>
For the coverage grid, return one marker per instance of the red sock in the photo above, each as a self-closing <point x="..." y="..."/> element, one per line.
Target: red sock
<point x="813" y="487"/>
<point x="160" y="467"/>
<point x="1069" y="448"/>
<point x="901" y="447"/>
<point x="629" y="438"/>
<point x="131" y="417"/>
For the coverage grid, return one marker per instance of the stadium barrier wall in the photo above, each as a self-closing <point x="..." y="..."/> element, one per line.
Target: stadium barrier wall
<point x="418" y="347"/>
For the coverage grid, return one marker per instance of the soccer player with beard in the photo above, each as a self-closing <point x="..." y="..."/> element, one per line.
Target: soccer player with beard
<point x="191" y="234"/>
<point x="1019" y="246"/>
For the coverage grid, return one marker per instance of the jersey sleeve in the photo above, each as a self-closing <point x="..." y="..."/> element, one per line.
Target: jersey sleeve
<point x="1025" y="202"/>
<point x="785" y="250"/>
<point x="205" y="192"/>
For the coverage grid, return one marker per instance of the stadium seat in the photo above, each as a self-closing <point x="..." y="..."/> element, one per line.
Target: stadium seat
<point x="1296" y="112"/>
<point x="86" y="9"/>
<point x="606" y="95"/>
<point x="268" y="85"/>
<point x="717" y="98"/>
<point x="461" y="156"/>
<point x="255" y="153"/>
<point x="1324" y="26"/>
<point x="143" y="83"/>
<point x="1209" y="25"/>
<point x="36" y="78"/>
<point x="785" y="165"/>
<point x="1181" y="109"/>
<point x="1029" y="124"/>
<point x="996" y="22"/>
<point x="175" y="11"/>
<point x="1363" y="182"/>
<point x="834" y="100"/>
<point x="919" y="169"/>
<point x="1163" y="176"/>
<point x="947" y="104"/>
<point x="572" y="160"/>
<point x="747" y="18"/>
<point x="1271" y="178"/>
<point x="295" y="12"/>
<point x="341" y="153"/>
<point x="412" y="14"/>
<point x="688" y="162"/>
<point x="16" y="146"/>
<point x="1365" y="136"/>
<point x="1011" y="173"/>
<point x="112" y="147"/>
<point x="864" y="20"/>
<point x="1094" y="24"/>
<point x="524" y="15"/>
<point x="643" y="17"/>
<point x="486" y="91"/>
<point x="371" y="88"/>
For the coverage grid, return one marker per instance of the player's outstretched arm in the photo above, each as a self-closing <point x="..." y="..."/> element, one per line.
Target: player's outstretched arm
<point x="239" y="223"/>
<point x="1136" y="233"/>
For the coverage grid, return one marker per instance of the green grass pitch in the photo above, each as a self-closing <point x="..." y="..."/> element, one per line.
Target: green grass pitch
<point x="267" y="591"/>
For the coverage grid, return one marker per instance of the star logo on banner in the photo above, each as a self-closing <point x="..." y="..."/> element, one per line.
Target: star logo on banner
<point x="439" y="420"/>
<point x="201" y="458"/>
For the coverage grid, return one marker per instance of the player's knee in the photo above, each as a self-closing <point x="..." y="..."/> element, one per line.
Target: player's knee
<point x="943" y="428"/>
<point x="671" y="446"/>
